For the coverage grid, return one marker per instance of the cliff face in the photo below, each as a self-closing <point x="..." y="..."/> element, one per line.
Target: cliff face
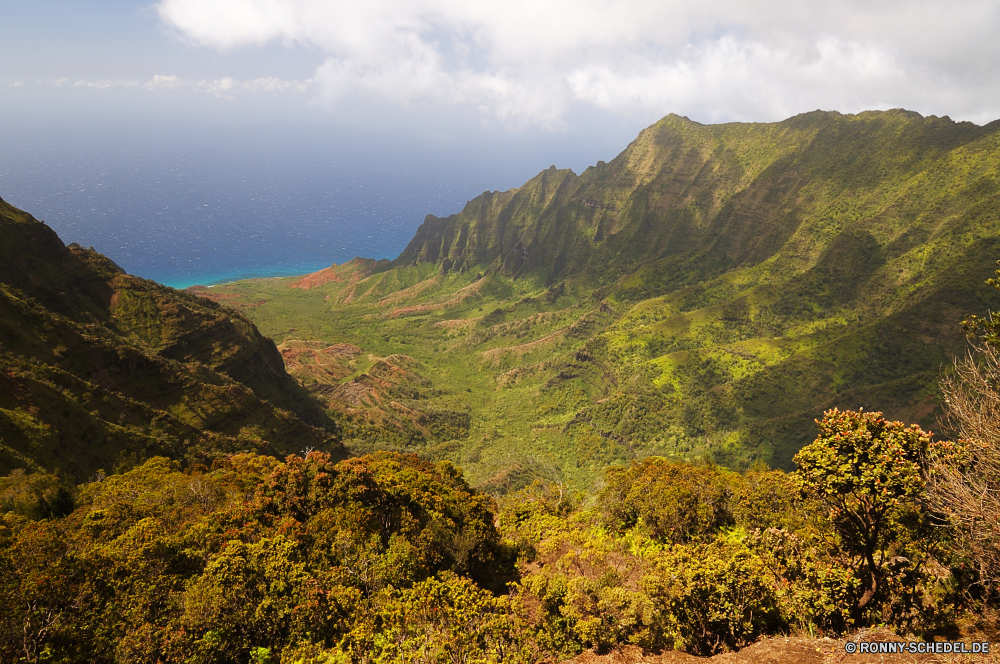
<point x="99" y="368"/>
<point x="712" y="287"/>
<point x="706" y="199"/>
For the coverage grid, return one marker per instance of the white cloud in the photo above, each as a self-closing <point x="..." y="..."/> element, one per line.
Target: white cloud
<point x="530" y="61"/>
<point x="228" y="86"/>
<point x="766" y="82"/>
<point x="160" y="82"/>
<point x="105" y="84"/>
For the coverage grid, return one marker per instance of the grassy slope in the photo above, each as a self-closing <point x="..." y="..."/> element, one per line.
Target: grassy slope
<point x="713" y="288"/>
<point x="99" y="369"/>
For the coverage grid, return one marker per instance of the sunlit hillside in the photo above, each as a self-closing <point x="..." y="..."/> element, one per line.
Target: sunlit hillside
<point x="709" y="292"/>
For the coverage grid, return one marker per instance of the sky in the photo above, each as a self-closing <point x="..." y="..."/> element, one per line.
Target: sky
<point x="433" y="101"/>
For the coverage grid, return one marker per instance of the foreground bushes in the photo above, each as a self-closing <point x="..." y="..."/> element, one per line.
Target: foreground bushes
<point x="387" y="558"/>
<point x="704" y="559"/>
<point x="239" y="563"/>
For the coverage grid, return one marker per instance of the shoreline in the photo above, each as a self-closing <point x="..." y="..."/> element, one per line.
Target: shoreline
<point x="221" y="279"/>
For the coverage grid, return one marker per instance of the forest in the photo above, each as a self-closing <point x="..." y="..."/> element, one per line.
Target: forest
<point x="390" y="558"/>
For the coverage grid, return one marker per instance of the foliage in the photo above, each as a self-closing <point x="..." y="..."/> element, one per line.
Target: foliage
<point x="245" y="560"/>
<point x="637" y="310"/>
<point x="35" y="495"/>
<point x="388" y="558"/>
<point x="668" y="501"/>
<point x="868" y="471"/>
<point x="602" y="577"/>
<point x="446" y="619"/>
<point x="770" y="499"/>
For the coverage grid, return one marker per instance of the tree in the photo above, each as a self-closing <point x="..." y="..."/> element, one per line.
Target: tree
<point x="42" y="586"/>
<point x="964" y="477"/>
<point x="868" y="471"/>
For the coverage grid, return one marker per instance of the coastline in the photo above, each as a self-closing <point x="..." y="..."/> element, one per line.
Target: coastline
<point x="180" y="282"/>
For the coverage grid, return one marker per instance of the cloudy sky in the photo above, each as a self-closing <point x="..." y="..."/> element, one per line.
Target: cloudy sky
<point x="473" y="94"/>
<point x="521" y="64"/>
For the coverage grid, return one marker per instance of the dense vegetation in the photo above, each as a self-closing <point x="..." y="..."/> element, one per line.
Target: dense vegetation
<point x="100" y="370"/>
<point x="711" y="290"/>
<point x="387" y="558"/>
<point x="613" y="358"/>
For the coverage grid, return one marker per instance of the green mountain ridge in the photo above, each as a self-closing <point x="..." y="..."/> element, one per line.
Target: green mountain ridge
<point x="711" y="290"/>
<point x="711" y="198"/>
<point x="100" y="369"/>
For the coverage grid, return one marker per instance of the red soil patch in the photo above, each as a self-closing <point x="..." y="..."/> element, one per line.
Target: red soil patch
<point x="353" y="270"/>
<point x="315" y="279"/>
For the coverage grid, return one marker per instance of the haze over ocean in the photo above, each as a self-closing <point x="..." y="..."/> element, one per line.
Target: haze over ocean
<point x="189" y="200"/>
<point x="204" y="140"/>
<point x="198" y="212"/>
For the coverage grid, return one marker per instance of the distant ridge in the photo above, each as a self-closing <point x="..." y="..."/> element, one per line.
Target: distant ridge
<point x="716" y="197"/>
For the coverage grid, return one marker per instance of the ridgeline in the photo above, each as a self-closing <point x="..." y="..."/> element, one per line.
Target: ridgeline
<point x="709" y="292"/>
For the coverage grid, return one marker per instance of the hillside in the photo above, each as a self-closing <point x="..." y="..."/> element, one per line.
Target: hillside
<point x="710" y="290"/>
<point x="230" y="527"/>
<point x="100" y="369"/>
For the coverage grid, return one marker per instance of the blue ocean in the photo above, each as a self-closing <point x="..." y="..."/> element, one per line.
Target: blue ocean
<point x="186" y="213"/>
<point x="186" y="207"/>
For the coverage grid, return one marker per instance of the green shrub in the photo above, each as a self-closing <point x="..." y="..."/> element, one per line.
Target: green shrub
<point x="867" y="471"/>
<point x="669" y="501"/>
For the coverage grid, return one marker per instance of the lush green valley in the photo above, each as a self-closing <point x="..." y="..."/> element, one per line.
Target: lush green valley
<point x="628" y="407"/>
<point x="710" y="291"/>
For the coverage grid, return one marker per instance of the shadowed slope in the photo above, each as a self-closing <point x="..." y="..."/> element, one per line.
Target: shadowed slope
<point x="101" y="368"/>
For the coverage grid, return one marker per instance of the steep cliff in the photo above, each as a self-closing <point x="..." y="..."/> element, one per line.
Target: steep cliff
<point x="711" y="290"/>
<point x="693" y="201"/>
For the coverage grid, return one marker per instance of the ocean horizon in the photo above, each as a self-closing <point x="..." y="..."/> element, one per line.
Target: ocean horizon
<point x="190" y="212"/>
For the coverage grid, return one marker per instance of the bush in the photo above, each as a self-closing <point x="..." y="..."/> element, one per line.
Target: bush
<point x="444" y="618"/>
<point x="771" y="499"/>
<point x="670" y="501"/>
<point x="241" y="563"/>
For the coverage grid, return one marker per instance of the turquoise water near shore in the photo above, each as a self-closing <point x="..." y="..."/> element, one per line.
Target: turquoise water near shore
<point x="187" y="214"/>
<point x="209" y="279"/>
